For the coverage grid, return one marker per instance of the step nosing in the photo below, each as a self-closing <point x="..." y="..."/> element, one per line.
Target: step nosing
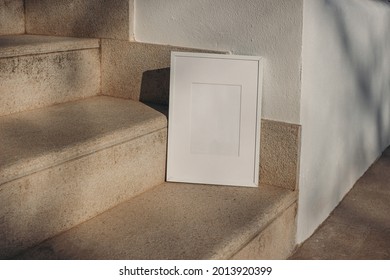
<point x="33" y="53"/>
<point x="38" y="139"/>
<point x="287" y="202"/>
<point x="27" y="45"/>
<point x="74" y="155"/>
<point x="146" y="226"/>
<point x="257" y="226"/>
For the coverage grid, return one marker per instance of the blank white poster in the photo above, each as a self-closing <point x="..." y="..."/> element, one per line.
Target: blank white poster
<point x="214" y="119"/>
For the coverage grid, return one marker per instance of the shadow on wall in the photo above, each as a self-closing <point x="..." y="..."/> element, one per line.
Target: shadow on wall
<point x="347" y="101"/>
<point x="365" y="46"/>
<point x="155" y="89"/>
<point x="155" y="86"/>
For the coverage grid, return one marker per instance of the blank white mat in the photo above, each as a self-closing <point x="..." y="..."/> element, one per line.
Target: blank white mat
<point x="214" y="119"/>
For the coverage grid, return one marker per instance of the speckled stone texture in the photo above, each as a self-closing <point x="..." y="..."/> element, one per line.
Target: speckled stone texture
<point x="67" y="163"/>
<point x="63" y="70"/>
<point x="11" y="17"/>
<point x="137" y="71"/>
<point x="276" y="242"/>
<point x="174" y="221"/>
<point x="279" y="154"/>
<point x="18" y="45"/>
<point x="81" y="18"/>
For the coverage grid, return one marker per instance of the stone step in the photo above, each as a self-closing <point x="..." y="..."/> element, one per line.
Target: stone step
<point x="39" y="71"/>
<point x="64" y="164"/>
<point x="184" y="221"/>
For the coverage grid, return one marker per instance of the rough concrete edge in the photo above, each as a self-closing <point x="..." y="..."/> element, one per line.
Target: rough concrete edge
<point x="259" y="225"/>
<point x="295" y="180"/>
<point x="259" y="236"/>
<point x="39" y="163"/>
<point x="74" y="44"/>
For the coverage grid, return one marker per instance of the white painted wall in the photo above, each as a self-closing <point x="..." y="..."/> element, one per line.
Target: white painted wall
<point x="268" y="28"/>
<point x="345" y="109"/>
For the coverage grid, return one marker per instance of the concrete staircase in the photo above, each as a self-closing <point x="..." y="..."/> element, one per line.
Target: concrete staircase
<point x="183" y="221"/>
<point x="62" y="164"/>
<point x="82" y="161"/>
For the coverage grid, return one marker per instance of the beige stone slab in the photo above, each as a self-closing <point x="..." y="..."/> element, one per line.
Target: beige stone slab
<point x="137" y="71"/>
<point x="17" y="45"/>
<point x="81" y="18"/>
<point x="35" y="140"/>
<point x="29" y="82"/>
<point x="45" y="203"/>
<point x="11" y="17"/>
<point x="277" y="241"/>
<point x="172" y="221"/>
<point x="279" y="154"/>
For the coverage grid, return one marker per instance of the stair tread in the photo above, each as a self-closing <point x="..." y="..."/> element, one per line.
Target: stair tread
<point x="17" y="45"/>
<point x="34" y="140"/>
<point x="172" y="221"/>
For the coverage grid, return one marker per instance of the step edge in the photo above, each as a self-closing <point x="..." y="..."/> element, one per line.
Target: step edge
<point x="287" y="244"/>
<point x="68" y="44"/>
<point x="281" y="203"/>
<point x="258" y="225"/>
<point x="13" y="171"/>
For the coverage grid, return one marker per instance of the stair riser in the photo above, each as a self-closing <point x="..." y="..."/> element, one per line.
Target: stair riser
<point x="81" y="18"/>
<point x="48" y="202"/>
<point x="275" y="242"/>
<point x="11" y="17"/>
<point x="138" y="71"/>
<point x="34" y="81"/>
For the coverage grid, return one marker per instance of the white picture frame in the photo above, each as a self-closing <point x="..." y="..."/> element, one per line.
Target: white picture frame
<point x="214" y="119"/>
